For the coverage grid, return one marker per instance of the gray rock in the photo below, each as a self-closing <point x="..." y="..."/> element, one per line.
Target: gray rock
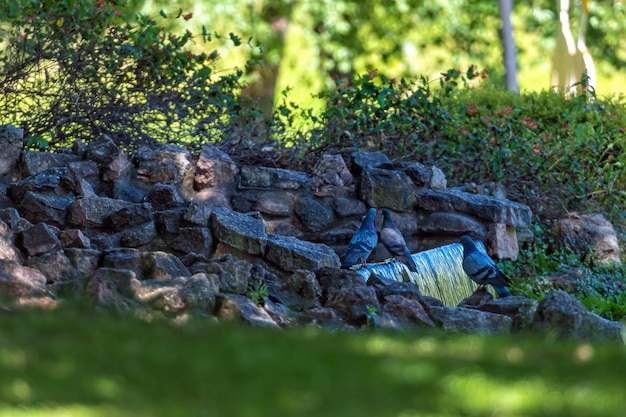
<point x="239" y="231"/>
<point x="346" y="207"/>
<point x="161" y="295"/>
<point x="387" y="188"/>
<point x="38" y="239"/>
<point x="452" y="223"/>
<point x="559" y="315"/>
<point x="273" y="178"/>
<point x="292" y="254"/>
<point x="11" y="142"/>
<point x="214" y="168"/>
<point x="466" y="320"/>
<point x="313" y="216"/>
<point x="233" y="274"/>
<point x="129" y="191"/>
<point x="55" y="266"/>
<point x="367" y="160"/>
<point x="10" y="216"/>
<point x="55" y="181"/>
<point x="163" y="163"/>
<point x="73" y="238"/>
<point x="304" y="283"/>
<point x="161" y="265"/>
<point x="385" y="289"/>
<point x="353" y="304"/>
<point x="164" y="196"/>
<point x="199" y="292"/>
<point x="19" y="281"/>
<point x="123" y="258"/>
<point x="84" y="261"/>
<point x="284" y="227"/>
<point x="92" y="212"/>
<point x="406" y="310"/>
<point x="280" y="313"/>
<point x="169" y="221"/>
<point x="196" y="292"/>
<point x="32" y="163"/>
<point x="502" y="241"/>
<point x="139" y="235"/>
<point x="130" y="215"/>
<point x="521" y="309"/>
<point x="332" y="279"/>
<point x="45" y="208"/>
<point x="87" y="170"/>
<point x="332" y="177"/>
<point x="485" y="207"/>
<point x="198" y="213"/>
<point x="438" y="180"/>
<point x="124" y="281"/>
<point x="193" y="240"/>
<point x="275" y="203"/>
<point x="589" y="234"/>
<point x="112" y="161"/>
<point x="238" y="307"/>
<point x="419" y="173"/>
<point x="8" y="251"/>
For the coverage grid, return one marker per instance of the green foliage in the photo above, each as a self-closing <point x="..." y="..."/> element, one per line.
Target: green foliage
<point x="81" y="363"/>
<point x="77" y="69"/>
<point x="257" y="290"/>
<point x="602" y="289"/>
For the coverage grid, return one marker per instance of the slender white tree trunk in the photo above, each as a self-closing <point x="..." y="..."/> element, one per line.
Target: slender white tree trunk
<point x="508" y="43"/>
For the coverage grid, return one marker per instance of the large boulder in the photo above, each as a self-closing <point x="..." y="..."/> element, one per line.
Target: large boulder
<point x="589" y="235"/>
<point x="485" y="207"/>
<point x="467" y="320"/>
<point x="563" y="317"/>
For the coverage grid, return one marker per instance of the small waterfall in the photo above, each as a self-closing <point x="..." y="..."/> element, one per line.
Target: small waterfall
<point x="441" y="273"/>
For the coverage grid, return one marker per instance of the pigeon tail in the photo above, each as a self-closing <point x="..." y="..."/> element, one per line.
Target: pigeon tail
<point x="502" y="291"/>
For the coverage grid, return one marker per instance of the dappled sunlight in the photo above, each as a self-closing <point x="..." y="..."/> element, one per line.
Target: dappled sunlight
<point x="71" y="410"/>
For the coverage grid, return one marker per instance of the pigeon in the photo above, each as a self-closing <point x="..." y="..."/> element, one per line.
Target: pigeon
<point x="481" y="268"/>
<point x="393" y="240"/>
<point x="362" y="243"/>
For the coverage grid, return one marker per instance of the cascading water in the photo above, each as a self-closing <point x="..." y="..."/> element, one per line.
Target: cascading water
<point x="440" y="275"/>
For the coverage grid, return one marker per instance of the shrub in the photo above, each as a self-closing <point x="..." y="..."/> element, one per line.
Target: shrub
<point x="77" y="69"/>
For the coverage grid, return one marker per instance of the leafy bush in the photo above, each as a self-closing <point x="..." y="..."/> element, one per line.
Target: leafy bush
<point x="77" y="69"/>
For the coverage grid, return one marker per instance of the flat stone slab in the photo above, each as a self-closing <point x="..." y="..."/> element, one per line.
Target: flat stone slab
<point x="495" y="210"/>
<point x="273" y="178"/>
<point x="238" y="230"/>
<point x="293" y="254"/>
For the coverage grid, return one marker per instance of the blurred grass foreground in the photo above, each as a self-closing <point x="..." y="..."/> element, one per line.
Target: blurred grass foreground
<point x="87" y="364"/>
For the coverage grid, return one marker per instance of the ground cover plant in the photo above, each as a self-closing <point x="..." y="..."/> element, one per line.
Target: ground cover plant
<point x="80" y="362"/>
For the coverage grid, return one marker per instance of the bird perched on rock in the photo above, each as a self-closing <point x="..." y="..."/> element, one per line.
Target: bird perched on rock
<point x="393" y="240"/>
<point x="481" y="268"/>
<point x="362" y="243"/>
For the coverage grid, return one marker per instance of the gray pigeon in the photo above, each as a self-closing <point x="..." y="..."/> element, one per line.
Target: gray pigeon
<point x="362" y="243"/>
<point x="393" y="240"/>
<point x="481" y="268"/>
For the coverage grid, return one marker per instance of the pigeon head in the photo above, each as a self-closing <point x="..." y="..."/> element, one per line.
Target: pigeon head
<point x="468" y="243"/>
<point x="368" y="221"/>
<point x="387" y="217"/>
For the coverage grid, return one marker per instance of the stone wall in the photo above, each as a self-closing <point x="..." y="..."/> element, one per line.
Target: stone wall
<point x="164" y="232"/>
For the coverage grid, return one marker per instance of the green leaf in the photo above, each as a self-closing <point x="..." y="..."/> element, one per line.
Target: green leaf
<point x="236" y="39"/>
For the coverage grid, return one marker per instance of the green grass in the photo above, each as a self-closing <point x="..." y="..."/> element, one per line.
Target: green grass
<point x="80" y="363"/>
